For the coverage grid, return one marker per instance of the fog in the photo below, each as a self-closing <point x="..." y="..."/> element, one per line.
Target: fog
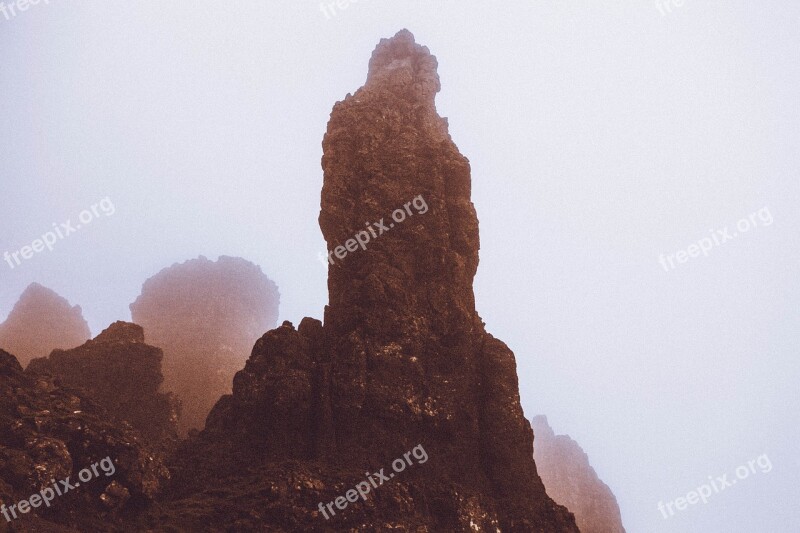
<point x="601" y="135"/>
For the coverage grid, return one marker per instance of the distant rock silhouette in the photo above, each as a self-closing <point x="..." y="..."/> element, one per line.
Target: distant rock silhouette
<point x="402" y="358"/>
<point x="123" y="374"/>
<point x="205" y="315"/>
<point x="49" y="432"/>
<point x="40" y="322"/>
<point x="571" y="481"/>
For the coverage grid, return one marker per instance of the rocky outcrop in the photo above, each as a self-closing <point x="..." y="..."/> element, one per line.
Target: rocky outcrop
<point x="40" y="322"/>
<point x="49" y="432"/>
<point x="123" y="374"/>
<point x="205" y="315"/>
<point x="401" y="360"/>
<point x="570" y="480"/>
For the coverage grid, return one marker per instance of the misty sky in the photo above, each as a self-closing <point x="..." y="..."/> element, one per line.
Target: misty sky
<point x="601" y="135"/>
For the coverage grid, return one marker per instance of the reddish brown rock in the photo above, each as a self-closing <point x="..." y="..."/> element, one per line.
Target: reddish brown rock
<point x="40" y="322"/>
<point x="402" y="358"/>
<point x="123" y="374"/>
<point x="205" y="315"/>
<point x="570" y="480"/>
<point x="48" y="432"/>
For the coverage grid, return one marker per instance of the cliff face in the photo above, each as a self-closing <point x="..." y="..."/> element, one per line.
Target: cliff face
<point x="205" y="315"/>
<point x="40" y="322"/>
<point x="51" y="432"/>
<point x="402" y="359"/>
<point x="122" y="373"/>
<point x="570" y="480"/>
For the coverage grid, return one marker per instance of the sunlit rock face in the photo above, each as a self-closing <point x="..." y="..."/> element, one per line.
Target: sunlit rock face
<point x="205" y="315"/>
<point x="40" y="322"/>
<point x="571" y="481"/>
<point x="402" y="358"/>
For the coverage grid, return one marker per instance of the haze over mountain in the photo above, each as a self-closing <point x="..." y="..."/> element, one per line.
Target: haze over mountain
<point x="205" y="315"/>
<point x="40" y="322"/>
<point x="600" y="136"/>
<point x="571" y="481"/>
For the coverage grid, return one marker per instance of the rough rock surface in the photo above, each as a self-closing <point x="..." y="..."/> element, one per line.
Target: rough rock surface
<point x="571" y="481"/>
<point x="205" y="315"/>
<point x="50" y="432"/>
<point x="40" y="322"/>
<point x="402" y="358"/>
<point x="121" y="373"/>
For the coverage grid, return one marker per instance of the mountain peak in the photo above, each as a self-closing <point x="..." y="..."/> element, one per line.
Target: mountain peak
<point x="405" y="68"/>
<point x="40" y="322"/>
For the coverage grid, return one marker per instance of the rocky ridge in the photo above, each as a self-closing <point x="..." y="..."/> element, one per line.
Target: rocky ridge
<point x="571" y="481"/>
<point x="123" y="374"/>
<point x="50" y="432"/>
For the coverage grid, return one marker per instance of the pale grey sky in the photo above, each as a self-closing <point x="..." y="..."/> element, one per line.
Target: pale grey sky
<point x="601" y="135"/>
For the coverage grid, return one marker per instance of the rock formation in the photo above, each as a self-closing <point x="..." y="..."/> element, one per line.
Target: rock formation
<point x="571" y="481"/>
<point x="49" y="432"/>
<point x="121" y="373"/>
<point x="402" y="359"/>
<point x="40" y="322"/>
<point x="205" y="315"/>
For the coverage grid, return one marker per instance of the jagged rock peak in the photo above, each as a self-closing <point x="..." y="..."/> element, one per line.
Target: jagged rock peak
<point x="402" y="358"/>
<point x="571" y="481"/>
<point x="120" y="332"/>
<point x="386" y="151"/>
<point x="40" y="322"/>
<point x="37" y="292"/>
<point x="121" y="373"/>
<point x="8" y="363"/>
<point x="542" y="426"/>
<point x="406" y="68"/>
